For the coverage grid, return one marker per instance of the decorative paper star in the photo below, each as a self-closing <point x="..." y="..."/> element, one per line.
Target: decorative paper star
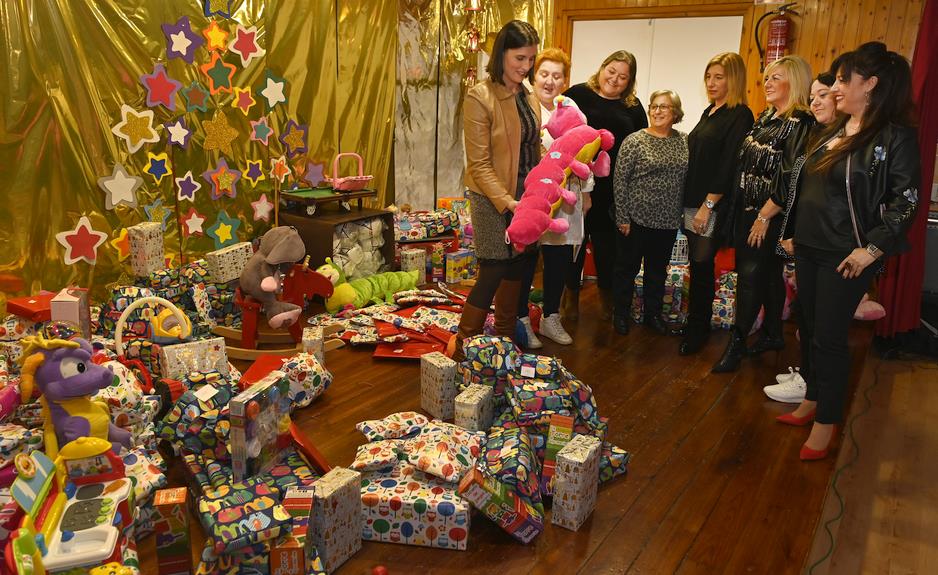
<point x="223" y="180"/>
<point x="181" y="41"/>
<point x="260" y="130"/>
<point x="219" y="74"/>
<point x="313" y="174"/>
<point x="157" y="212"/>
<point x="293" y="138"/>
<point x="122" y="244"/>
<point x="262" y="208"/>
<point x="196" y="97"/>
<point x="218" y="133"/>
<point x="273" y="90"/>
<point x="243" y="100"/>
<point x="178" y="133"/>
<point x="217" y="37"/>
<point x="193" y="223"/>
<point x="224" y="231"/>
<point x="81" y="243"/>
<point x="161" y="89"/>
<point x="217" y="7"/>
<point x="120" y="187"/>
<point x="168" y="260"/>
<point x="245" y="45"/>
<point x="136" y="128"/>
<point x="254" y="173"/>
<point x="158" y="166"/>
<point x="186" y="187"/>
<point x="279" y="169"/>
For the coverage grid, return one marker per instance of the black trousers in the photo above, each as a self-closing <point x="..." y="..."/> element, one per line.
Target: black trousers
<point x="654" y="247"/>
<point x="828" y="302"/>
<point x="557" y="261"/>
<point x="600" y="229"/>
<point x="528" y="264"/>
<point x="701" y="253"/>
<point x="491" y="274"/>
<point x="759" y="279"/>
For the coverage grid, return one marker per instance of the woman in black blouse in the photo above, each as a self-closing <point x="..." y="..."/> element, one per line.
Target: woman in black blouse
<point x="857" y="196"/>
<point x="713" y="146"/>
<point x="609" y="102"/>
<point x="765" y="162"/>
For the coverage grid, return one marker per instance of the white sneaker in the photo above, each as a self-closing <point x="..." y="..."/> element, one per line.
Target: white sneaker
<point x="533" y="342"/>
<point x="552" y="329"/>
<point x="792" y="373"/>
<point x="792" y="390"/>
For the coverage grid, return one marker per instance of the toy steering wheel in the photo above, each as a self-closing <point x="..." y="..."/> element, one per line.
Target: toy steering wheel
<point x="185" y="328"/>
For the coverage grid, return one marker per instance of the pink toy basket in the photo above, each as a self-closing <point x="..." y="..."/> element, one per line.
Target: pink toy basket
<point x="348" y="183"/>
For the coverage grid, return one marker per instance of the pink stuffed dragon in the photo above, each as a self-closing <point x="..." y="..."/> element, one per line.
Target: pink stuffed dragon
<point x="575" y="146"/>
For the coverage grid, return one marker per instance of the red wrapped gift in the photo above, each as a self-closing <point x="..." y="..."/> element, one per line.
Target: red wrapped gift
<point x="32" y="307"/>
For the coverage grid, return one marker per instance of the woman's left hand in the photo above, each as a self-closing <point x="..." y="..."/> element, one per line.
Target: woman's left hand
<point x="757" y="233"/>
<point x="854" y="264"/>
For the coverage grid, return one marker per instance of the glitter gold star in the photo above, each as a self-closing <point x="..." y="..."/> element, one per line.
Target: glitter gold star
<point x="136" y="128"/>
<point x="218" y="134"/>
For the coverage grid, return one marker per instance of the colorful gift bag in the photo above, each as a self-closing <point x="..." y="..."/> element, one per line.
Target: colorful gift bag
<point x="234" y="518"/>
<point x="444" y="450"/>
<point x="509" y="456"/>
<point x="400" y="425"/>
<point x="377" y="455"/>
<point x="308" y="378"/>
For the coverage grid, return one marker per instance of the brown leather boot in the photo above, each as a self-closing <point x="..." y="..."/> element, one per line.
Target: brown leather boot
<point x="470" y="324"/>
<point x="570" y="304"/>
<point x="506" y="307"/>
<point x="608" y="303"/>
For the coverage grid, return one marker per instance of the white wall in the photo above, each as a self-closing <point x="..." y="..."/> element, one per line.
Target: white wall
<point x="670" y="53"/>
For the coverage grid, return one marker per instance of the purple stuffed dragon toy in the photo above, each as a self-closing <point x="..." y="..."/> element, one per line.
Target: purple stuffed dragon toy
<point x="66" y="379"/>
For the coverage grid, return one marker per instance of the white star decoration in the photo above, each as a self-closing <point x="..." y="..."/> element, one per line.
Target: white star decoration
<point x="120" y="188"/>
<point x="181" y="42"/>
<point x="178" y="133"/>
<point x="194" y="223"/>
<point x="262" y="208"/>
<point x="273" y="92"/>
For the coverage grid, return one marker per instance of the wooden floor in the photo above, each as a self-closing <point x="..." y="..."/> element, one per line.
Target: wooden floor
<point x="715" y="484"/>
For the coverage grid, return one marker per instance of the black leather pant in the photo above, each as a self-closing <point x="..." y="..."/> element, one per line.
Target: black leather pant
<point x="759" y="279"/>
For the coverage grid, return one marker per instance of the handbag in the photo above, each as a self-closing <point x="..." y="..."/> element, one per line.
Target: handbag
<point x="691" y="213"/>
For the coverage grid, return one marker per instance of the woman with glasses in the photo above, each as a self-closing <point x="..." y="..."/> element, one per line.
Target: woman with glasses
<point x="648" y="186"/>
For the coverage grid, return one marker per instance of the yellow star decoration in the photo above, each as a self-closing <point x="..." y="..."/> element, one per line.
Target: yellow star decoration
<point x="218" y="133"/>
<point x="223" y="233"/>
<point x="225" y="179"/>
<point x="217" y="37"/>
<point x="122" y="244"/>
<point x="295" y="139"/>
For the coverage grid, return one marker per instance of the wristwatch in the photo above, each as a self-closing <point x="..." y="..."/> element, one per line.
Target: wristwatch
<point x="710" y="204"/>
<point x="873" y="251"/>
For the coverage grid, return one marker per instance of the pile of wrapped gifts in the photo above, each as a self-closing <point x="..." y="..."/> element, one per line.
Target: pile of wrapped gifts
<point x="675" y="301"/>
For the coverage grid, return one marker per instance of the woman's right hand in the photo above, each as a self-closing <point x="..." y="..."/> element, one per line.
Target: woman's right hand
<point x="512" y="205"/>
<point x="700" y="219"/>
<point x="624" y="229"/>
<point x="789" y="246"/>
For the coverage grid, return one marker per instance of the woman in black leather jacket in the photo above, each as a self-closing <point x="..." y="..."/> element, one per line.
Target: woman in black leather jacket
<point x="857" y="192"/>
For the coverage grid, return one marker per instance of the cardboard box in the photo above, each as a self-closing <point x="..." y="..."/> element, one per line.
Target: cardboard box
<point x="502" y="505"/>
<point x="146" y="248"/>
<point x="290" y="555"/>
<point x="313" y="343"/>
<point x="576" y="481"/>
<point x="71" y="305"/>
<point x="558" y="435"/>
<point x="335" y="529"/>
<point x="173" y="556"/>
<point x="415" y="259"/>
<point x="258" y="414"/>
<point x="460" y="265"/>
<point x="177" y="361"/>
<point x="438" y="385"/>
<point x="475" y="407"/>
<point x="227" y="263"/>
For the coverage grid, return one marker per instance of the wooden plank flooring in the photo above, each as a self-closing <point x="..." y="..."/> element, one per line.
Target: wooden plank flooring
<point x="715" y="484"/>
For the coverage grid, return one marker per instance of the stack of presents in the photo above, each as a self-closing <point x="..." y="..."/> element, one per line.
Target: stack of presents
<point x="437" y="243"/>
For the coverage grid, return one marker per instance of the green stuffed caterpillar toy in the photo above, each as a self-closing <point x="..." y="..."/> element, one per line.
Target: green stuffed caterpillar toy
<point x="361" y="292"/>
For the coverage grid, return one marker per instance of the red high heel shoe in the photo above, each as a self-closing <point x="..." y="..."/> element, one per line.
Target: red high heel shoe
<point x="792" y="419"/>
<point x="808" y="454"/>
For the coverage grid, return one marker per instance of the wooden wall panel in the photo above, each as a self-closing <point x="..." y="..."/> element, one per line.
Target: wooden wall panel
<point x="824" y="28"/>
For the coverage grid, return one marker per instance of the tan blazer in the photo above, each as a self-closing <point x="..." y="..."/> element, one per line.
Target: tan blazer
<point x="492" y="132"/>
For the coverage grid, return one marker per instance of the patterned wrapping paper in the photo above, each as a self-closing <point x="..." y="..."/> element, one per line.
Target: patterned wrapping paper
<point x="509" y="457"/>
<point x="15" y="439"/>
<point x="422" y="225"/>
<point x="237" y="517"/>
<point x="199" y="421"/>
<point x="117" y="302"/>
<point x="404" y="424"/>
<point x="576" y="482"/>
<point x="400" y="504"/>
<point x="5" y="362"/>
<point x="313" y="343"/>
<point x="531" y="399"/>
<point x="165" y="283"/>
<point x="148" y="475"/>
<point x="613" y="462"/>
<point x="308" y="378"/>
<point x="441" y="318"/>
<point x="501" y="504"/>
<point x="15" y="328"/>
<point x="377" y="455"/>
<point x="559" y="434"/>
<point x="414" y="297"/>
<point x="475" y="407"/>
<point x="251" y="559"/>
<point x="200" y="355"/>
<point x="533" y="366"/>
<point x="724" y="313"/>
<point x="674" y="302"/>
<point x="146" y="248"/>
<point x="335" y="527"/>
<point x="226" y="264"/>
<point x="444" y="450"/>
<point x="489" y="360"/>
<point x="584" y="405"/>
<point x="290" y="553"/>
<point x="415" y="259"/>
<point x="203" y="305"/>
<point x="29" y="415"/>
<point x="124" y="394"/>
<point x="147" y="352"/>
<point x="395" y="320"/>
<point x="438" y="385"/>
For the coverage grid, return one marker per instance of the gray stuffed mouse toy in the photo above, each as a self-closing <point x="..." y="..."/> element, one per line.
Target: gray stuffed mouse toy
<point x="262" y="277"/>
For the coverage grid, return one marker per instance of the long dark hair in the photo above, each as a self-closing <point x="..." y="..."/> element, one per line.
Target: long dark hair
<point x="515" y="34"/>
<point x="890" y="100"/>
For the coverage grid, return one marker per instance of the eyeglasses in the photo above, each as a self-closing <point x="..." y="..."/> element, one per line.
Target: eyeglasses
<point x="664" y="107"/>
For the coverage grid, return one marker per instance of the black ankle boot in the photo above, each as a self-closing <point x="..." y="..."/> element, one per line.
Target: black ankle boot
<point x="766" y="343"/>
<point x="693" y="341"/>
<point x="732" y="355"/>
<point x="621" y="324"/>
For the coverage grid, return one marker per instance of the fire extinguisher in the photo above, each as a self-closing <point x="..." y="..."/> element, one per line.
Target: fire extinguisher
<point x="778" y="36"/>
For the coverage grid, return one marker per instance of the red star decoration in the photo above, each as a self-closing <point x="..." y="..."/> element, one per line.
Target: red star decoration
<point x="161" y="89"/>
<point x="246" y="44"/>
<point x="81" y="243"/>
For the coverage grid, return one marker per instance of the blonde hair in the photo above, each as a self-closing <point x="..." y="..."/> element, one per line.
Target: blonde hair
<point x="628" y="95"/>
<point x="554" y="55"/>
<point x="735" y="70"/>
<point x="799" y="83"/>
<point x="676" y="107"/>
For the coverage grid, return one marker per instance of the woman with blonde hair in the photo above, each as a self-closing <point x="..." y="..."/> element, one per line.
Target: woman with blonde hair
<point x="765" y="162"/>
<point x="609" y="102"/>
<point x="713" y="148"/>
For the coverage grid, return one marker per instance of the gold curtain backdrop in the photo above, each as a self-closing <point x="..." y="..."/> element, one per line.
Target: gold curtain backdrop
<point x="69" y="65"/>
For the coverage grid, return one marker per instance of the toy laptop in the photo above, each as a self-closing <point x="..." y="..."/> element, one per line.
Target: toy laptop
<point x="260" y="425"/>
<point x="78" y="509"/>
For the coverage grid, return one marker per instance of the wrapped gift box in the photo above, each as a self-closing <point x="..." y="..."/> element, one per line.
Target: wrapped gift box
<point x="308" y="378"/>
<point x="400" y="504"/>
<point x="576" y="482"/>
<point x="613" y="462"/>
<point x="290" y="555"/>
<point x="438" y="385"/>
<point x="475" y="408"/>
<point x="15" y="439"/>
<point x="313" y="343"/>
<point x="489" y="360"/>
<point x="335" y="528"/>
<point x="502" y="505"/>
<point x="260" y="423"/>
<point x="242" y="514"/>
<point x="559" y="434"/>
<point x="509" y="456"/>
<point x="415" y="259"/>
<point x="724" y="313"/>
<point x="460" y="265"/>
<point x="200" y="355"/>
<point x="71" y="304"/>
<point x="146" y="248"/>
<point x="227" y="263"/>
<point x="531" y="398"/>
<point x="171" y="524"/>
<point x="35" y="308"/>
<point x="537" y="366"/>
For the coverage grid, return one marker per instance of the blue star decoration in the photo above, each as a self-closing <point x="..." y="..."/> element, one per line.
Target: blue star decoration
<point x="224" y="231"/>
<point x="217" y="8"/>
<point x="158" y="166"/>
<point x="157" y="212"/>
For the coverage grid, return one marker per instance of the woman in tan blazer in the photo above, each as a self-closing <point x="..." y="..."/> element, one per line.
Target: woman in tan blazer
<point x="501" y="126"/>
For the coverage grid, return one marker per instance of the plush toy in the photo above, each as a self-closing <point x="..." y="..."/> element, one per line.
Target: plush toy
<point x="532" y="218"/>
<point x="66" y="378"/>
<point x="869" y="310"/>
<point x="361" y="292"/>
<point x="262" y="277"/>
